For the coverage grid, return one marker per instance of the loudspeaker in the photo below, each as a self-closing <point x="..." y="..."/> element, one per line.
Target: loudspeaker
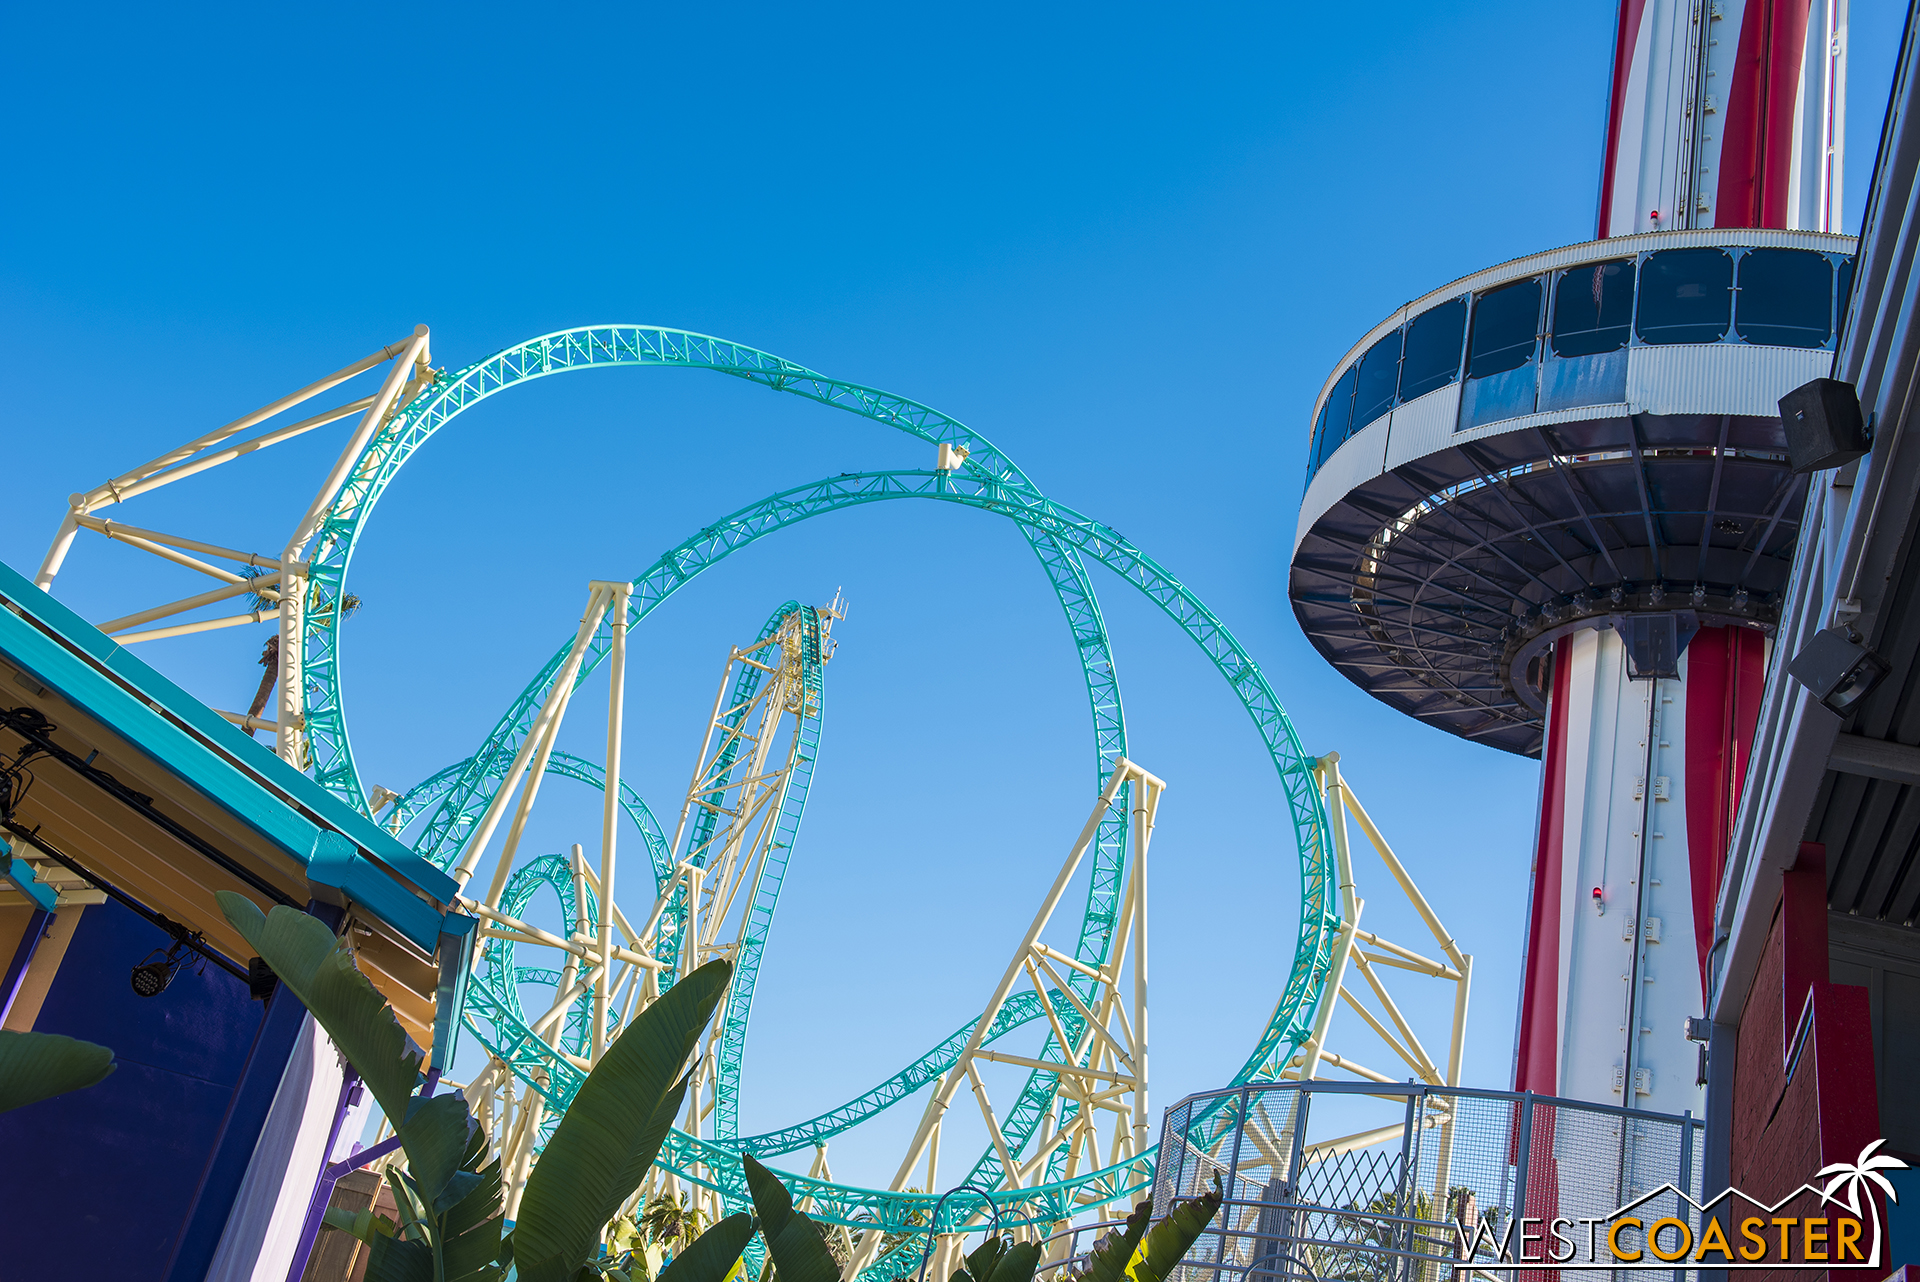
<point x="1823" y="424"/>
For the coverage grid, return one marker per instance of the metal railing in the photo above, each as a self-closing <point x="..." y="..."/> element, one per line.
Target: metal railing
<point x="1378" y="1182"/>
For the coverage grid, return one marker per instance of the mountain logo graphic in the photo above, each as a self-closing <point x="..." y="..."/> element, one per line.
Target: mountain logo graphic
<point x="1730" y="1231"/>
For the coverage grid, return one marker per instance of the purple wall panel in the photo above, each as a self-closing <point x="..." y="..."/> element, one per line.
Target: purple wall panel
<point x="111" y="1174"/>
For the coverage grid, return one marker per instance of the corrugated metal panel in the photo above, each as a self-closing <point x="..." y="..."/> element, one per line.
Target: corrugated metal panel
<point x="1358" y="461"/>
<point x="1591" y="251"/>
<point x="1718" y="378"/>
<point x="1423" y="426"/>
<point x="1528" y="422"/>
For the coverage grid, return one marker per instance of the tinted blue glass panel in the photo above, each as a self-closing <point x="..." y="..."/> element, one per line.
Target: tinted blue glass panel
<point x="1786" y="298"/>
<point x="1686" y="296"/>
<point x="1498" y="396"/>
<point x="1379" y="376"/>
<point x="1506" y="327"/>
<point x="1432" y="356"/>
<point x="1593" y="308"/>
<point x="1571" y="381"/>
<point x="1335" y="417"/>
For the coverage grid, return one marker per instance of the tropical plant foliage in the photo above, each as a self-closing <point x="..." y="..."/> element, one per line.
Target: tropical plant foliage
<point x="449" y="1195"/>
<point x="37" y="1066"/>
<point x="1167" y="1242"/>
<point x="999" y="1260"/>
<point x="796" y="1248"/>
<point x="1133" y="1253"/>
<point x="671" y="1221"/>
<point x="1107" y="1261"/>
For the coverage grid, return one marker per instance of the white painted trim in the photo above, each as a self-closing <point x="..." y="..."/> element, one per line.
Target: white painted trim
<point x="1353" y="464"/>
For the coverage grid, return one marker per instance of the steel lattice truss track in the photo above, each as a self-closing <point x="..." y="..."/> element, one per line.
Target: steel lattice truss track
<point x="448" y="805"/>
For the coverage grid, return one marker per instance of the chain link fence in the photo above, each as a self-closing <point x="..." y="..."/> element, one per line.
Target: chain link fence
<point x="1366" y="1182"/>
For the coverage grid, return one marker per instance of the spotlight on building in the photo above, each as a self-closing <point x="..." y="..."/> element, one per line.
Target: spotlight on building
<point x="1837" y="669"/>
<point x="151" y="977"/>
<point x="1823" y="425"/>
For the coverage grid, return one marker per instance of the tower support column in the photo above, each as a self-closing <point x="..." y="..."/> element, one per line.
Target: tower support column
<point x="1640" y="779"/>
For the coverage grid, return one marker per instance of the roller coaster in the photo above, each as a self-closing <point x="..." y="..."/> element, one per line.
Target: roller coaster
<point x="716" y="881"/>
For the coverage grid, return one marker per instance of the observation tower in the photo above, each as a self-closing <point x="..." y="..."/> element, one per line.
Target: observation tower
<point x="1550" y="509"/>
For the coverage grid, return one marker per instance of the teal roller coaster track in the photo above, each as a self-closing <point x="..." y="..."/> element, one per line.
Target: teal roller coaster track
<point x="439" y="815"/>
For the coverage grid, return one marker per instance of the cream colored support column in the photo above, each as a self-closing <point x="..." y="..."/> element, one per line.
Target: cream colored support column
<point x="933" y="1152"/>
<point x="1399" y="871"/>
<point x="1029" y="947"/>
<point x="618" y="595"/>
<point x="112" y="492"/>
<point x="1462" y="990"/>
<point x="553" y="714"/>
<point x="700" y="755"/>
<point x="291" y="740"/>
<point x="1455" y="1053"/>
<point x="265" y="584"/>
<point x="1333" y="792"/>
<point x="690" y="940"/>
<point x="557" y="695"/>
<point x="1143" y="811"/>
<point x="1015" y="968"/>
<point x="129" y="484"/>
<point x="290" y="698"/>
<point x="62" y="541"/>
<point x="525" y="1134"/>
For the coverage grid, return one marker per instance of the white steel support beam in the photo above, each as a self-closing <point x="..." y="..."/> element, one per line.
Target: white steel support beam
<point x="204" y="625"/>
<point x="1101" y="1071"/>
<point x="1388" y="1022"/>
<point x="291" y="742"/>
<point x="483" y="831"/>
<point x="137" y="481"/>
<point x="617" y="594"/>
<point x="264" y="584"/>
<point x="130" y="533"/>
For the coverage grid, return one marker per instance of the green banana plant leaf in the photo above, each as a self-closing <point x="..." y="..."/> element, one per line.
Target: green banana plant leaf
<point x="304" y="955"/>
<point x="470" y="1228"/>
<point x="793" y="1243"/>
<point x="994" y="1260"/>
<point x="612" y="1131"/>
<point x="449" y="1196"/>
<point x="392" y="1260"/>
<point x="365" y="1225"/>
<point x="1108" y="1260"/>
<point x="981" y="1260"/>
<point x="712" y="1255"/>
<point x="1170" y="1239"/>
<point x="435" y="1132"/>
<point x="1017" y="1264"/>
<point x="37" y="1066"/>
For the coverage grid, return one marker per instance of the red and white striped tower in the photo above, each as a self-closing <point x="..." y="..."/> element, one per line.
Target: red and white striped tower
<point x="1549" y="510"/>
<point x="1724" y="113"/>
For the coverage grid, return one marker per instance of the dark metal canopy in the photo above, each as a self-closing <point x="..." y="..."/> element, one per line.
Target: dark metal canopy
<point x="1439" y="586"/>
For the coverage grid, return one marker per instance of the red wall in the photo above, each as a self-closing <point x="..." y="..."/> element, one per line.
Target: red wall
<point x="1785" y="1130"/>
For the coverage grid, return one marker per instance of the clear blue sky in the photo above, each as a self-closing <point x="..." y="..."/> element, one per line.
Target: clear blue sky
<point x="1126" y="242"/>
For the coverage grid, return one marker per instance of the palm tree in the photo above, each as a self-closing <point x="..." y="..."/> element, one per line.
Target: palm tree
<point x="1855" y="1176"/>
<point x="671" y="1222"/>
